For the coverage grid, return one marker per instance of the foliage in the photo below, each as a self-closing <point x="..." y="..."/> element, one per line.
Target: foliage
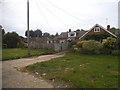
<point x="80" y="43"/>
<point x="97" y="37"/>
<point x="110" y="43"/>
<point x="56" y="34"/>
<point x="36" y="33"/>
<point x="118" y="41"/>
<point x="92" y="45"/>
<point x="21" y="45"/>
<point x="46" y="34"/>
<point x="11" y="39"/>
<point x="51" y="36"/>
<point x="114" y="30"/>
<point x="71" y="43"/>
<point x="2" y="31"/>
<point x="106" y="51"/>
<point x="116" y="52"/>
<point x="80" y="71"/>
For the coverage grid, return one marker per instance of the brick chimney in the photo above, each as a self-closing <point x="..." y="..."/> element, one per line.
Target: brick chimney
<point x="108" y="27"/>
<point x="69" y="30"/>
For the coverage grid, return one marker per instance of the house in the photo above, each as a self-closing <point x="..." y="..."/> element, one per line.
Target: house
<point x="97" y="30"/>
<point x="65" y="37"/>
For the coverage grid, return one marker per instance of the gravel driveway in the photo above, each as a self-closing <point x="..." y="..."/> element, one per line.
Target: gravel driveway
<point x="12" y="78"/>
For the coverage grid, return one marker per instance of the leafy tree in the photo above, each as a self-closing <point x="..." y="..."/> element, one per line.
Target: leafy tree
<point x="78" y="30"/>
<point x="115" y="30"/>
<point x="38" y="33"/>
<point x="56" y="34"/>
<point x="52" y="36"/>
<point x="46" y="34"/>
<point x="31" y="32"/>
<point x="2" y="31"/>
<point x="11" y="39"/>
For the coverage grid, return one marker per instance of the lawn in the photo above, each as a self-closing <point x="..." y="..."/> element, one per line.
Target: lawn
<point x="80" y="71"/>
<point x="19" y="53"/>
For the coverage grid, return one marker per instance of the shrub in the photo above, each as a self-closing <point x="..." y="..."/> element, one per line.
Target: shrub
<point x="80" y="43"/>
<point x="110" y="43"/>
<point x="97" y="52"/>
<point x="105" y="51"/>
<point x="11" y="39"/>
<point x="115" y="52"/>
<point x="21" y="45"/>
<point x="70" y="45"/>
<point x="92" y="47"/>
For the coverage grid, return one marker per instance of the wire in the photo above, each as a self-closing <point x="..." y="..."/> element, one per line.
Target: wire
<point x="64" y="11"/>
<point x="42" y="14"/>
<point x="53" y="14"/>
<point x="13" y="6"/>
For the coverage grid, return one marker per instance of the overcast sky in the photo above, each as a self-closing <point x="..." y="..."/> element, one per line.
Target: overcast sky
<point x="57" y="15"/>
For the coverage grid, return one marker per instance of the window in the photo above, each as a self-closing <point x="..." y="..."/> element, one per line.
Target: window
<point x="72" y="34"/>
<point x="97" y="29"/>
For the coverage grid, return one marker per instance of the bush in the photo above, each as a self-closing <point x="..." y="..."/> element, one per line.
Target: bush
<point x="80" y="43"/>
<point x="70" y="45"/>
<point x="92" y="47"/>
<point x="11" y="39"/>
<point x="115" y="52"/>
<point x="85" y="51"/>
<point x="105" y="51"/>
<point x="22" y="45"/>
<point x="97" y="52"/>
<point x="110" y="43"/>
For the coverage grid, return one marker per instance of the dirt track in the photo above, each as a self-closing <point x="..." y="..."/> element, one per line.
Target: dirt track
<point x="11" y="78"/>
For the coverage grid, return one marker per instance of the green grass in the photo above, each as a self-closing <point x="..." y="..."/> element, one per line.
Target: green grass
<point x="80" y="71"/>
<point x="20" y="53"/>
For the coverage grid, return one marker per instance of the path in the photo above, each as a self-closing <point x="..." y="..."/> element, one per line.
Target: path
<point x="15" y="79"/>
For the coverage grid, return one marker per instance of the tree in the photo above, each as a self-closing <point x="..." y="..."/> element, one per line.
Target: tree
<point x="38" y="33"/>
<point x="52" y="36"/>
<point x="2" y="31"/>
<point x="56" y="34"/>
<point x="114" y="30"/>
<point x="46" y="34"/>
<point x="31" y="32"/>
<point x="11" y="39"/>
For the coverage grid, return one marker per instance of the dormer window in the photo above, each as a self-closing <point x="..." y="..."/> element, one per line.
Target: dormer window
<point x="71" y="34"/>
<point x="97" y="29"/>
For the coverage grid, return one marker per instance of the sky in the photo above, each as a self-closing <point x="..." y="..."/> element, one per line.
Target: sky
<point x="57" y="15"/>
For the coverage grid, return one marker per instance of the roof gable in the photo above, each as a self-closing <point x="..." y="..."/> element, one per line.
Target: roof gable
<point x="100" y="27"/>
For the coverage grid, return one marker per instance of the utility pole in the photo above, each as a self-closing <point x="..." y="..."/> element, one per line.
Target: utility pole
<point x="28" y="33"/>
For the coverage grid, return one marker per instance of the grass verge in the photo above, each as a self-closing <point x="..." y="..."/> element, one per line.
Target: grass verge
<point x="16" y="53"/>
<point x="80" y="71"/>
